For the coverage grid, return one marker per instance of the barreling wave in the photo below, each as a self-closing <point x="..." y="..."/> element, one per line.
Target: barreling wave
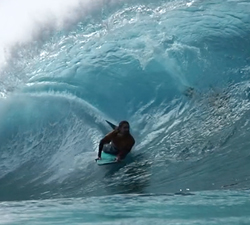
<point x="178" y="71"/>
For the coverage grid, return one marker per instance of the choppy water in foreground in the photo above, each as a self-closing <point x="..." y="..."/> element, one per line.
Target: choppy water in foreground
<point x="217" y="207"/>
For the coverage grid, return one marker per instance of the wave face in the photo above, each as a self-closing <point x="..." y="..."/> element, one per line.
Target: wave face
<point x="178" y="71"/>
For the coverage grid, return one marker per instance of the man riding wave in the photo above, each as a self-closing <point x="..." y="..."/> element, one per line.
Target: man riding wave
<point x="119" y="142"/>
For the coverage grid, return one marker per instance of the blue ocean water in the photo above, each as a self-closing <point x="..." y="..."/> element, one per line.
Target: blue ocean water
<point x="177" y="70"/>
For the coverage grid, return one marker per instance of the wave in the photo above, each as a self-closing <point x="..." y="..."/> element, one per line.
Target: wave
<point x="176" y="70"/>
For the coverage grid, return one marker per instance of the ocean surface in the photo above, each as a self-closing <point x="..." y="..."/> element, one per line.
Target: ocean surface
<point x="177" y="70"/>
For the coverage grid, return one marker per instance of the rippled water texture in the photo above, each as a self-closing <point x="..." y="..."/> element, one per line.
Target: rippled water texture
<point x="178" y="71"/>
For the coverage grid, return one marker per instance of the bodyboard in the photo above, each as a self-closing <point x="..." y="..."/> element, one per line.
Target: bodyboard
<point x="106" y="159"/>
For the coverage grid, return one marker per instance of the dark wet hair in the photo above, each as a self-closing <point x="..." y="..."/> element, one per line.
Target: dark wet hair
<point x="122" y="123"/>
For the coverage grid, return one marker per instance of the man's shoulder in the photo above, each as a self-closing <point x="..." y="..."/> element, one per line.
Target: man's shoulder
<point x="111" y="133"/>
<point x="132" y="138"/>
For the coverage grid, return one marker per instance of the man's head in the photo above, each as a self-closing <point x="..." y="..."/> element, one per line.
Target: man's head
<point x="123" y="127"/>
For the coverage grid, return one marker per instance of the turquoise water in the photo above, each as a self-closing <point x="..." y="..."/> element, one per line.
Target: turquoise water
<point x="203" y="208"/>
<point x="178" y="71"/>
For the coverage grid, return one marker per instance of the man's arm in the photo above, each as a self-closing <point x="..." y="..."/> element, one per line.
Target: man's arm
<point x="107" y="139"/>
<point x="102" y="142"/>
